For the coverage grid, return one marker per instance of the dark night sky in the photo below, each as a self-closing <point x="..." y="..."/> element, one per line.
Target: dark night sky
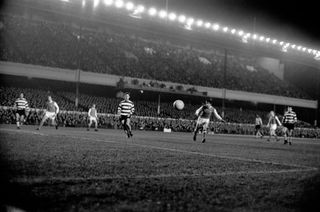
<point x="295" y="21"/>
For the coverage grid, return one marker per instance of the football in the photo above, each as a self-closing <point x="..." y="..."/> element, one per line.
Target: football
<point x="178" y="104"/>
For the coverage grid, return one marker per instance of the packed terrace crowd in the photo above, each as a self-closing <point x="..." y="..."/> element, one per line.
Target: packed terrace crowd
<point x="132" y="54"/>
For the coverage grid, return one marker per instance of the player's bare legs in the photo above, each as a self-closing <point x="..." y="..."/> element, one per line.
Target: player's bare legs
<point x="89" y="125"/>
<point x="128" y="126"/>
<point x="95" y="125"/>
<point x="44" y="119"/>
<point x="195" y="132"/>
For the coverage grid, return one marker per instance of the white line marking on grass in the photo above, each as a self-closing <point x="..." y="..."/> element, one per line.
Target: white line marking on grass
<point x="302" y="167"/>
<point x="41" y="180"/>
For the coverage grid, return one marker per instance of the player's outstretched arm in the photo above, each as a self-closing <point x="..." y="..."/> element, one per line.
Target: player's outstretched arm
<point x="217" y="115"/>
<point x="57" y="108"/>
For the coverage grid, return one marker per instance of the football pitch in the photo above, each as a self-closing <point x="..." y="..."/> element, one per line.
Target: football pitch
<point x="72" y="169"/>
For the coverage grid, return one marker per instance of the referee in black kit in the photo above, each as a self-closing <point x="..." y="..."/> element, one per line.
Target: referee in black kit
<point x="125" y="110"/>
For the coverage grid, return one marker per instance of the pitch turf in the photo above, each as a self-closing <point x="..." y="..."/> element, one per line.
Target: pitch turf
<point x="71" y="169"/>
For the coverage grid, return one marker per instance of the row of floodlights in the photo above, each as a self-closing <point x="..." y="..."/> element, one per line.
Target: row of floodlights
<point x="189" y="22"/>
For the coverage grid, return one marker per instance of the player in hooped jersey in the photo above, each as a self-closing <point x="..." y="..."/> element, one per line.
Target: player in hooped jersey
<point x="22" y="108"/>
<point x="272" y="124"/>
<point x="93" y="117"/>
<point x="204" y="113"/>
<point x="125" y="110"/>
<point x="51" y="112"/>
<point x="288" y="121"/>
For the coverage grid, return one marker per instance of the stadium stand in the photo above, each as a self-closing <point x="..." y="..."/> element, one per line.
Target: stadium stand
<point x="112" y="51"/>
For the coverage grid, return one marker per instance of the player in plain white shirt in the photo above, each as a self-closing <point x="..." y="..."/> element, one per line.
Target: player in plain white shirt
<point x="93" y="117"/>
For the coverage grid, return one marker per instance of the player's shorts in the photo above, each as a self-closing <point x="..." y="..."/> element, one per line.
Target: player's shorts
<point x="122" y="117"/>
<point x="289" y="126"/>
<point x="50" y="115"/>
<point x="203" y="122"/>
<point x="258" y="127"/>
<point x="94" y="119"/>
<point x="21" y="112"/>
<point x="273" y="126"/>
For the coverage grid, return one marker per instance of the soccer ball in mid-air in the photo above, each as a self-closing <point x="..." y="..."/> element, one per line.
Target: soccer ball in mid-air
<point x="178" y="105"/>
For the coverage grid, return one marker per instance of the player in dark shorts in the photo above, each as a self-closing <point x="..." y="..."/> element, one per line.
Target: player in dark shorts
<point x="288" y="121"/>
<point x="125" y="110"/>
<point x="22" y="108"/>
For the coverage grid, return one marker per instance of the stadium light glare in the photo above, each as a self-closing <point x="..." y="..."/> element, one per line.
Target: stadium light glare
<point x="140" y="9"/>
<point x="108" y="2"/>
<point x="281" y="43"/>
<point x="207" y="25"/>
<point x="261" y="38"/>
<point x="314" y="51"/>
<point x="190" y="21"/>
<point x="274" y="41"/>
<point x="96" y="3"/>
<point x="233" y="31"/>
<point x="225" y="29"/>
<point x="129" y="6"/>
<point x="199" y="23"/>
<point x="293" y="46"/>
<point x="152" y="11"/>
<point x="255" y="36"/>
<point x="119" y="3"/>
<point x="240" y="32"/>
<point x="216" y="27"/>
<point x="299" y="47"/>
<point x="309" y="50"/>
<point x="267" y="40"/>
<point x="182" y="18"/>
<point x="248" y="35"/>
<point x="172" y="16"/>
<point x="304" y="49"/>
<point x="162" y="14"/>
<point x="83" y="3"/>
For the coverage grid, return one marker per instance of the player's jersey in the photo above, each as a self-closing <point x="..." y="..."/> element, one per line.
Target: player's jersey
<point x="126" y="108"/>
<point x="21" y="104"/>
<point x="274" y="120"/>
<point x="92" y="112"/>
<point x="51" y="106"/>
<point x="258" y="121"/>
<point x="289" y="117"/>
<point x="205" y="111"/>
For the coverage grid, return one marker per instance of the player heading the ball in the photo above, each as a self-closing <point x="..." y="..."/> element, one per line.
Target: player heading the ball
<point x="204" y="113"/>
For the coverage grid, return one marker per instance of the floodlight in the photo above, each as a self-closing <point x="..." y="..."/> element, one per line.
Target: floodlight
<point x="309" y="50"/>
<point x="199" y="23"/>
<point x="83" y="3"/>
<point x="304" y="49"/>
<point x="95" y="3"/>
<point x="267" y="40"/>
<point x="182" y="18"/>
<point x="254" y="36"/>
<point x="108" y="2"/>
<point x="240" y="32"/>
<point x="207" y="24"/>
<point x="248" y="35"/>
<point x="190" y="21"/>
<point x="119" y="3"/>
<point x="261" y="38"/>
<point x="281" y="43"/>
<point x="216" y="27"/>
<point x="129" y="6"/>
<point x="140" y="9"/>
<point x="314" y="51"/>
<point x="152" y="11"/>
<point x="162" y="14"/>
<point x="225" y="29"/>
<point x="233" y="31"/>
<point x="274" y="41"/>
<point x="172" y="16"/>
<point x="299" y="47"/>
<point x="293" y="46"/>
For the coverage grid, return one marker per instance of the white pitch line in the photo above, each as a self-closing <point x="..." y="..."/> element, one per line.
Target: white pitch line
<point x="41" y="180"/>
<point x="301" y="167"/>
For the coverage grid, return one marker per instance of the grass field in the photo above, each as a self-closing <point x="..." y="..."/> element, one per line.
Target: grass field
<point x="71" y="169"/>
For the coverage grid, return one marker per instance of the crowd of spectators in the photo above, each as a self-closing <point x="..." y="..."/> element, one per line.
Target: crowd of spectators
<point x="132" y="54"/>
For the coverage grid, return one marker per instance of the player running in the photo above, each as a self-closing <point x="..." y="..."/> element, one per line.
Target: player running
<point x="288" y="121"/>
<point x="258" y="124"/>
<point x="125" y="110"/>
<point x="204" y="113"/>
<point x="273" y="123"/>
<point x="93" y="117"/>
<point x="21" y="107"/>
<point x="50" y="113"/>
